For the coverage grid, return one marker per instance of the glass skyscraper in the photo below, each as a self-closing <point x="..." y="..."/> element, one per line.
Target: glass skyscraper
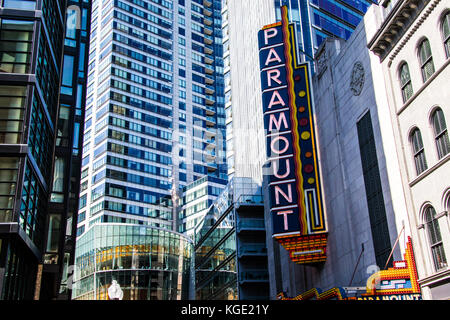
<point x="316" y="20"/>
<point x="155" y="119"/>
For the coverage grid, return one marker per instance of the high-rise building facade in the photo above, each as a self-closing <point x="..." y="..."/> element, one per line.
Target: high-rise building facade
<point x="318" y="19"/>
<point x="195" y="201"/>
<point x="152" y="121"/>
<point x="155" y="119"/>
<point x="38" y="145"/>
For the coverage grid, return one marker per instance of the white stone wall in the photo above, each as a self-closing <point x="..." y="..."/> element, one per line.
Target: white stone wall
<point x="245" y="19"/>
<point x="432" y="186"/>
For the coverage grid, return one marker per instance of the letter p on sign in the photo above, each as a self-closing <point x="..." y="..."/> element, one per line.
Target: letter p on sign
<point x="269" y="33"/>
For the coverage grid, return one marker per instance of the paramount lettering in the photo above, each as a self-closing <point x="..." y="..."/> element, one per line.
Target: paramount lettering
<point x="277" y="122"/>
<point x="272" y="57"/>
<point x="294" y="183"/>
<point x="276" y="100"/>
<point x="275" y="169"/>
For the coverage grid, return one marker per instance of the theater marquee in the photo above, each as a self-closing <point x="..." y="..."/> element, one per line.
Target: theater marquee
<point x="299" y="221"/>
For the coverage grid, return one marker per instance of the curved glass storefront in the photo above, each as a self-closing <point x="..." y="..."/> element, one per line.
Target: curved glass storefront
<point x="147" y="263"/>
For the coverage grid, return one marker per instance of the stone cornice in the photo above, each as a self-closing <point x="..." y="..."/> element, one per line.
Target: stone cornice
<point x="395" y="26"/>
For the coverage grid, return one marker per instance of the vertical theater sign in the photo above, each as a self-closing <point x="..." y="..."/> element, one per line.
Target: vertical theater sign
<point x="298" y="217"/>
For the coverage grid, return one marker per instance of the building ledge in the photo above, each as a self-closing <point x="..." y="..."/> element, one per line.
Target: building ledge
<point x="398" y="21"/>
<point x="435" y="278"/>
<point x="424" y="86"/>
<point x="427" y="172"/>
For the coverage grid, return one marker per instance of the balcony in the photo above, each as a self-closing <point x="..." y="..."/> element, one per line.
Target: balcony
<point x="210" y="89"/>
<point x="209" y="79"/>
<point x="209" y="49"/>
<point x="209" y="100"/>
<point x="211" y="121"/>
<point x="250" y="224"/>
<point x="211" y="166"/>
<point x="210" y="111"/>
<point x="207" y="12"/>
<point x="209" y="59"/>
<point x="208" y="20"/>
<point x="210" y="144"/>
<point x="208" y="30"/>
<point x="210" y="132"/>
<point x="208" y="39"/>
<point x="252" y="250"/>
<point x="254" y="276"/>
<point x="210" y="155"/>
<point x="207" y="3"/>
<point x="209" y="70"/>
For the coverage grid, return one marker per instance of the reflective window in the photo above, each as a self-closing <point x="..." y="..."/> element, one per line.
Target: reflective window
<point x="40" y="141"/>
<point x="446" y="33"/>
<point x="440" y="133"/>
<point x="71" y="22"/>
<point x="426" y="60"/>
<point x="8" y="178"/>
<point x="12" y="106"/>
<point x="54" y="225"/>
<point x="16" y="38"/>
<point x="418" y="151"/>
<point x="405" y="82"/>
<point x="33" y="207"/>
<point x="58" y="180"/>
<point x="62" y="139"/>
<point x="435" y="239"/>
<point x="142" y="260"/>
<point x="20" y="4"/>
<point x="67" y="77"/>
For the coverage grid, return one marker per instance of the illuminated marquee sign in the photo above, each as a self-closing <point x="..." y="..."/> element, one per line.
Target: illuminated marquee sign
<point x="401" y="279"/>
<point x="294" y="186"/>
<point x="397" y="283"/>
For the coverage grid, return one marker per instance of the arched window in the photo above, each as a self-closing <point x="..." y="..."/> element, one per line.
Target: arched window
<point x="440" y="133"/>
<point x="405" y="82"/>
<point x="446" y="33"/>
<point x="435" y="238"/>
<point x="418" y="151"/>
<point x="426" y="59"/>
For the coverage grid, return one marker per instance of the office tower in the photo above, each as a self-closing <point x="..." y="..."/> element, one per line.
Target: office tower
<point x="152" y="122"/>
<point x="318" y="19"/>
<point x="197" y="198"/>
<point x="155" y="117"/>
<point x="36" y="143"/>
